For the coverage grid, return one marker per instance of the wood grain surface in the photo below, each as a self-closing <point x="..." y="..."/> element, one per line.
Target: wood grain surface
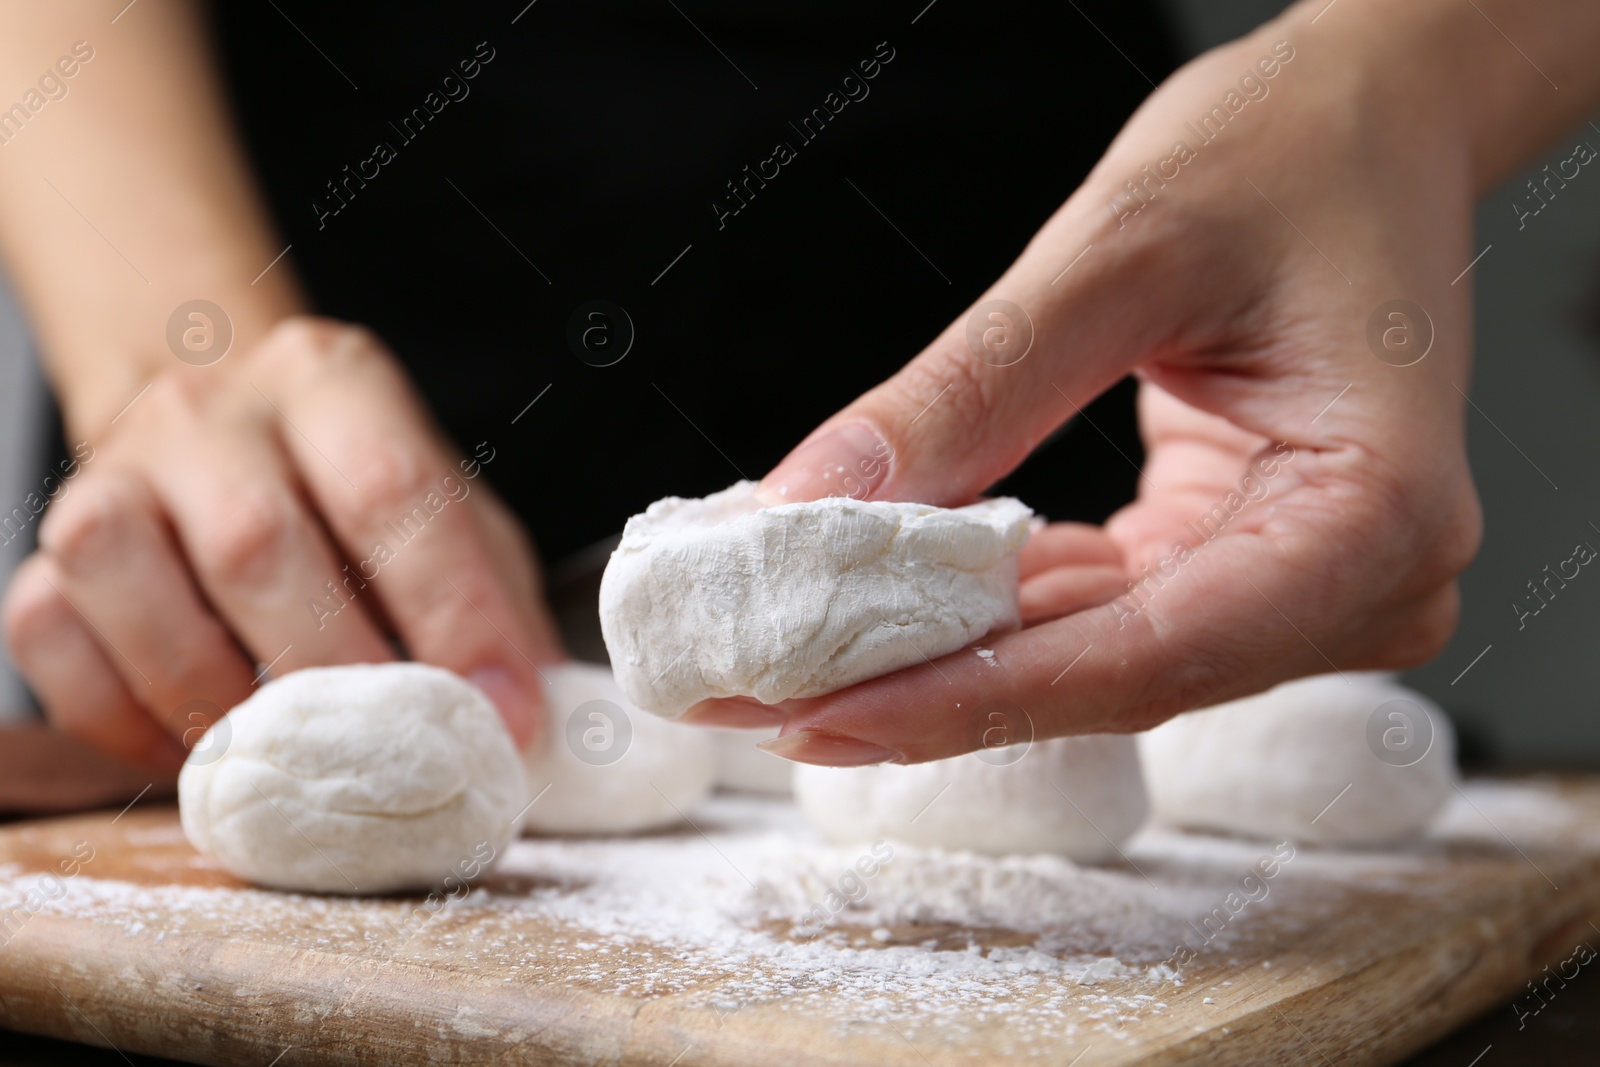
<point x="1360" y="960"/>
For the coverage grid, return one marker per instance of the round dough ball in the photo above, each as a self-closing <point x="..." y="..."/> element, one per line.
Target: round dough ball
<point x="1077" y="796"/>
<point x="744" y="768"/>
<point x="602" y="766"/>
<point x="361" y="779"/>
<point x="1272" y="764"/>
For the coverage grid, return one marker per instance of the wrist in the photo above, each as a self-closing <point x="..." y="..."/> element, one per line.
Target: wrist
<point x="1487" y="71"/>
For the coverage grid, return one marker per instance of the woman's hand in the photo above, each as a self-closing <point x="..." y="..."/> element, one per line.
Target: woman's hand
<point x="1305" y="505"/>
<point x="290" y="506"/>
<point x="207" y="527"/>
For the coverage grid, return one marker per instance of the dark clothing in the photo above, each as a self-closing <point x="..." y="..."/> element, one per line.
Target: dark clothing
<point x="845" y="183"/>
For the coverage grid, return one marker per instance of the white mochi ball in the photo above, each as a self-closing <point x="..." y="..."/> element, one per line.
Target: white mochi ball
<point x="602" y="766"/>
<point x="723" y="597"/>
<point x="1335" y="759"/>
<point x="744" y="768"/>
<point x="360" y="779"/>
<point x="1081" y="797"/>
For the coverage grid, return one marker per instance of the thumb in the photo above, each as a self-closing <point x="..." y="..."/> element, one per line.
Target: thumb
<point x="1054" y="332"/>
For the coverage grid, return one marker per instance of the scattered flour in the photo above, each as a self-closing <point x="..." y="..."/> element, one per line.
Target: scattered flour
<point x="721" y="915"/>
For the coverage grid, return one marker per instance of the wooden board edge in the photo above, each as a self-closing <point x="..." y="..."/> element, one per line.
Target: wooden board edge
<point x="1401" y="1004"/>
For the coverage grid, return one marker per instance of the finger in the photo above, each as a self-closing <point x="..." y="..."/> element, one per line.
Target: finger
<point x="44" y="771"/>
<point x="82" y="692"/>
<point x="1245" y="612"/>
<point x="1064" y="590"/>
<point x="1185" y="446"/>
<point x="403" y="510"/>
<point x="256" y="547"/>
<point x="744" y="713"/>
<point x="116" y="563"/>
<point x="1067" y="544"/>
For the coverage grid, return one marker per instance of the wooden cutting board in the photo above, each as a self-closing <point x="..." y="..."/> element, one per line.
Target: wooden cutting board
<point x="1355" y="958"/>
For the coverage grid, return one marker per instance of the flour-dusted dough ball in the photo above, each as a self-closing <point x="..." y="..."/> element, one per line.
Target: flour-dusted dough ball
<point x="1077" y="796"/>
<point x="609" y="767"/>
<point x="361" y="779"/>
<point x="744" y="768"/>
<point x="1271" y="765"/>
<point x="721" y="597"/>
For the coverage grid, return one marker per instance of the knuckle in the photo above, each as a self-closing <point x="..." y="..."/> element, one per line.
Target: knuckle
<point x="177" y="399"/>
<point x="397" y="481"/>
<point x="308" y="344"/>
<point x="969" y="403"/>
<point x="453" y="625"/>
<point x="250" y="537"/>
<point x="310" y="333"/>
<point x="33" y="610"/>
<point x="92" y="521"/>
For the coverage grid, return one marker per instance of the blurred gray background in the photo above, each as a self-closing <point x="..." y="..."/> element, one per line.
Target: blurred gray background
<point x="22" y="460"/>
<point x="1526" y="696"/>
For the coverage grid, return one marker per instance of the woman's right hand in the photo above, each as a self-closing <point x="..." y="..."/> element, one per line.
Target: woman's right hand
<point x="207" y="534"/>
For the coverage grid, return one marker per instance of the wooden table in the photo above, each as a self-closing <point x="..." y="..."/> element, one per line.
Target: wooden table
<point x="1356" y="958"/>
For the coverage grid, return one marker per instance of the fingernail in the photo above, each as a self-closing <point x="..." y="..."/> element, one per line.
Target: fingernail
<point x="733" y="711"/>
<point x="515" y="704"/>
<point x="849" y="460"/>
<point x="827" y="750"/>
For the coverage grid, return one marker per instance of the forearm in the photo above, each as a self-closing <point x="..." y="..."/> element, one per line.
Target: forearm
<point x="125" y="195"/>
<point x="1514" y="75"/>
